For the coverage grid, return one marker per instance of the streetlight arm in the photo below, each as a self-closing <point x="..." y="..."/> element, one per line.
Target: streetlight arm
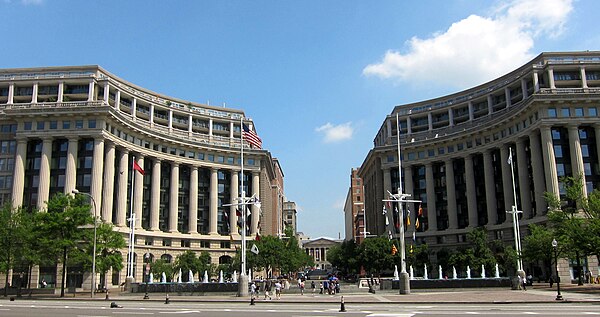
<point x="93" y="288"/>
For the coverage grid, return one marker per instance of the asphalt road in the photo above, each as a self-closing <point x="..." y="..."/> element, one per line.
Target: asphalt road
<point x="80" y="308"/>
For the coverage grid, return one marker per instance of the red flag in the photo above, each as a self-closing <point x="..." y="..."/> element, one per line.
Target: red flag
<point x="257" y="237"/>
<point x="137" y="167"/>
<point x="251" y="137"/>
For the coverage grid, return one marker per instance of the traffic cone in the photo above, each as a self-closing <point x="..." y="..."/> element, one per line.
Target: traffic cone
<point x="342" y="305"/>
<point x="167" y="299"/>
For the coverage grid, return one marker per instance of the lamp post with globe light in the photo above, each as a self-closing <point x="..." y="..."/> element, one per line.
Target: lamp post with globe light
<point x="75" y="191"/>
<point x="555" y="247"/>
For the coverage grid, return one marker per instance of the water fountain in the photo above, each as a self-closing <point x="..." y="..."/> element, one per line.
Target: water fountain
<point x="234" y="278"/>
<point x="425" y="275"/>
<point x="412" y="273"/>
<point x="396" y="276"/>
<point x="453" y="272"/>
<point x="440" y="273"/>
<point x="190" y="276"/>
<point x="205" y="279"/>
<point x="163" y="278"/>
<point x="468" y="272"/>
<point x="151" y="278"/>
<point x="497" y="271"/>
<point x="179" y="277"/>
<point x="221" y="280"/>
<point x="482" y="271"/>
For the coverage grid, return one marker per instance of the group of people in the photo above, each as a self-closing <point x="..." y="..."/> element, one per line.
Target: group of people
<point x="275" y="287"/>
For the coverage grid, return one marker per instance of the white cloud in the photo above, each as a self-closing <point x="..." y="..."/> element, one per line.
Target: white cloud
<point x="476" y="49"/>
<point x="336" y="133"/>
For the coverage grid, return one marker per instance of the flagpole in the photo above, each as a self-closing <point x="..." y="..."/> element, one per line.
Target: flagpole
<point x="132" y="223"/>
<point x="243" y="281"/>
<point x="515" y="213"/>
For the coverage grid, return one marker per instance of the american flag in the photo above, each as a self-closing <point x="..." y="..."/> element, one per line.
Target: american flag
<point x="251" y="137"/>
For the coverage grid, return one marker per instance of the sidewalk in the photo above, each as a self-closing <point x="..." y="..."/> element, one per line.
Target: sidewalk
<point x="539" y="293"/>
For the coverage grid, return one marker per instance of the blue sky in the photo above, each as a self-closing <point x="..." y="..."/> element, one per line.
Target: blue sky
<point x="317" y="77"/>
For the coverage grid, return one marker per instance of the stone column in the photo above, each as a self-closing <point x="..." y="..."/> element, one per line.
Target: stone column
<point x="134" y="109"/>
<point x="490" y="104"/>
<point x="551" y="78"/>
<point x="471" y="114"/>
<point x="431" y="210"/>
<point x="106" y="92"/>
<point x="109" y="183"/>
<point x="471" y="192"/>
<point x="490" y="190"/>
<point x="123" y="188"/>
<point x="235" y="184"/>
<point x="584" y="84"/>
<point x="193" y="207"/>
<point x="213" y="206"/>
<point x="576" y="156"/>
<point x="536" y="82"/>
<point x="44" y="180"/>
<point x="61" y="91"/>
<point x="255" y="210"/>
<point x="138" y="193"/>
<point x="118" y="100"/>
<point x="170" y="123"/>
<point x="429" y="121"/>
<point x="34" y="94"/>
<point x="210" y="128"/>
<point x="71" y="172"/>
<point x="451" y="117"/>
<point x="387" y="181"/>
<point x="19" y="173"/>
<point x="408" y="125"/>
<point x="151" y="114"/>
<point x="155" y="197"/>
<point x="91" y="90"/>
<point x="524" y="89"/>
<point x="549" y="161"/>
<point x="537" y="166"/>
<point x="174" y="197"/>
<point x="507" y="97"/>
<point x="509" y="198"/>
<point x="524" y="186"/>
<point x="451" y="194"/>
<point x="11" y="93"/>
<point x="97" y="177"/>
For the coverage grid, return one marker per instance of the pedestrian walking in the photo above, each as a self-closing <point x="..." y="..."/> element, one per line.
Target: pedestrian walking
<point x="313" y="286"/>
<point x="268" y="285"/>
<point x="278" y="287"/>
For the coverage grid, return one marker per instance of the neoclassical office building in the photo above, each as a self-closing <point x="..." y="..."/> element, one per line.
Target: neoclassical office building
<point x="66" y="128"/>
<point x="455" y="150"/>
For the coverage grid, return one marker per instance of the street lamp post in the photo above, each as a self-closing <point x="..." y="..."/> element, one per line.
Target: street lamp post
<point x="555" y="246"/>
<point x="75" y="191"/>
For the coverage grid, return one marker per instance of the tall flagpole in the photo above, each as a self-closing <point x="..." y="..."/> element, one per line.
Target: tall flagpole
<point x="515" y="214"/>
<point x="132" y="223"/>
<point x="243" y="282"/>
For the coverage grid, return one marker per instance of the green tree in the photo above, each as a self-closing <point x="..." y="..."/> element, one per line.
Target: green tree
<point x="14" y="239"/>
<point x="59" y="229"/>
<point x="537" y="245"/>
<point x="161" y="266"/>
<point x="108" y="245"/>
<point x="574" y="219"/>
<point x="345" y="257"/>
<point x="376" y="255"/>
<point x="188" y="261"/>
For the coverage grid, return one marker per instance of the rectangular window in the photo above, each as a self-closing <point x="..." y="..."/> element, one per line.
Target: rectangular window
<point x="558" y="151"/>
<point x="225" y="245"/>
<point x="66" y="125"/>
<point x="441" y="150"/>
<point x="53" y="125"/>
<point x="27" y="125"/>
<point x="552" y="112"/>
<point x="565" y="112"/>
<point x="78" y="124"/>
<point x="40" y="125"/>
<point x="220" y="159"/>
<point x="450" y="149"/>
<point x="579" y="112"/>
<point x="166" y="242"/>
<point x="201" y="156"/>
<point x="149" y="241"/>
<point x="205" y="244"/>
<point x="92" y="123"/>
<point x="593" y="112"/>
<point x="211" y="157"/>
<point x="390" y="158"/>
<point x="185" y="243"/>
<point x="585" y="151"/>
